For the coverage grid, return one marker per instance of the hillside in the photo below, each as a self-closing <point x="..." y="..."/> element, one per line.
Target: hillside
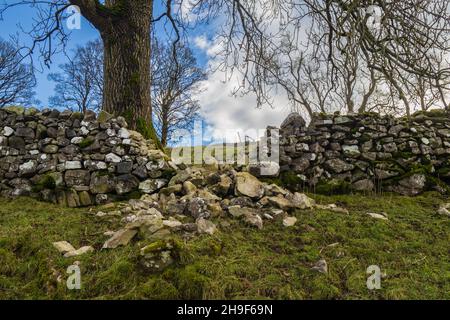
<point x="411" y="248"/>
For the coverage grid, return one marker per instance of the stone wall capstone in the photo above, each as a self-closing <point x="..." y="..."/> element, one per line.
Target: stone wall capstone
<point x="368" y="152"/>
<point x="76" y="159"/>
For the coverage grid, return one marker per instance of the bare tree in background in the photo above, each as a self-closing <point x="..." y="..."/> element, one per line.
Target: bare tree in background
<point x="16" y="78"/>
<point x="174" y="87"/>
<point x="80" y="84"/>
<point x="392" y="39"/>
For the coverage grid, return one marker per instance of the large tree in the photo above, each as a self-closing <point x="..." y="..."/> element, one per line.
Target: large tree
<point x="16" y="78"/>
<point x="80" y="84"/>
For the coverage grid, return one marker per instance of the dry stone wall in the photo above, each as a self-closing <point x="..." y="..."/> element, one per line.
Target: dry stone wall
<point x="368" y="152"/>
<point x="76" y="159"/>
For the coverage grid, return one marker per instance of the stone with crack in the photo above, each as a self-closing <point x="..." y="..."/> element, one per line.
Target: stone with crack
<point x="120" y="238"/>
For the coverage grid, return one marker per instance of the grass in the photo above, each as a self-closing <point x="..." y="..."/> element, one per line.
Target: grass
<point x="412" y="250"/>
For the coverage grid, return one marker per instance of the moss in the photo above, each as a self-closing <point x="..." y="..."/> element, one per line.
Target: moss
<point x="117" y="9"/>
<point x="403" y="155"/>
<point x="333" y="187"/>
<point x="169" y="173"/>
<point x="159" y="289"/>
<point x="444" y="171"/>
<point x="154" y="247"/>
<point x="433" y="182"/>
<point x="104" y="172"/>
<point x="8" y="262"/>
<point x="148" y="131"/>
<point x="77" y="115"/>
<point x="365" y="138"/>
<point x="86" y="142"/>
<point x="46" y="182"/>
<point x="136" y="194"/>
<point x="433" y="113"/>
<point x="190" y="283"/>
<point x="19" y="110"/>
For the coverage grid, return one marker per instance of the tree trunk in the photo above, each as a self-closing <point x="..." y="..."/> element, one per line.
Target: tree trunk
<point x="126" y="90"/>
<point x="164" y="126"/>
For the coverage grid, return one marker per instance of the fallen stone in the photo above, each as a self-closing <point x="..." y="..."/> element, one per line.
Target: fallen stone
<point x="172" y="223"/>
<point x="79" y="252"/>
<point x="120" y="238"/>
<point x="332" y="207"/>
<point x="156" y="256"/>
<point x="301" y="201"/>
<point x="253" y="220"/>
<point x="444" y="209"/>
<point x="280" y="202"/>
<point x="63" y="247"/>
<point x="381" y="216"/>
<point x="321" y="266"/>
<point x="152" y="185"/>
<point x="248" y="185"/>
<point x="206" y="226"/>
<point x="289" y="221"/>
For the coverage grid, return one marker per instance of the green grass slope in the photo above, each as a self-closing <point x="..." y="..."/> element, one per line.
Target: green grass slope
<point x="412" y="250"/>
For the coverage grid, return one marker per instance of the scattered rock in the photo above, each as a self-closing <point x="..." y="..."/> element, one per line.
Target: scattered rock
<point x="444" y="209"/>
<point x="120" y="238"/>
<point x="157" y="256"/>
<point x="280" y="202"/>
<point x="205" y="226"/>
<point x="321" y="266"/>
<point x="301" y="201"/>
<point x="63" y="247"/>
<point x="152" y="185"/>
<point x="79" y="252"/>
<point x="253" y="220"/>
<point x="382" y="215"/>
<point x="289" y="221"/>
<point x="248" y="185"/>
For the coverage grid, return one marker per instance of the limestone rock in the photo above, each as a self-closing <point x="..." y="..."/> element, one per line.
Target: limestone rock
<point x="206" y="226"/>
<point x="444" y="209"/>
<point x="364" y="185"/>
<point x="381" y="216"/>
<point x="253" y="220"/>
<point x="120" y="238"/>
<point x="267" y="169"/>
<point x="321" y="266"/>
<point x="157" y="256"/>
<point x="412" y="185"/>
<point x="63" y="247"/>
<point x="289" y="221"/>
<point x="280" y="202"/>
<point x="152" y="185"/>
<point x="338" y="165"/>
<point x="126" y="183"/>
<point x="79" y="252"/>
<point x="248" y="185"/>
<point x="301" y="201"/>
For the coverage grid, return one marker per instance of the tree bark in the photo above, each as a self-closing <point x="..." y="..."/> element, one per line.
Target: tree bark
<point x="125" y="28"/>
<point x="127" y="66"/>
<point x="164" y="125"/>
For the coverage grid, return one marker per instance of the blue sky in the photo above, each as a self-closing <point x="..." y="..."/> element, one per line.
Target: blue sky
<point x="23" y="16"/>
<point x="220" y="110"/>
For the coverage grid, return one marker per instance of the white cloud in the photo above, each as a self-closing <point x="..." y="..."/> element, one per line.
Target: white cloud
<point x="224" y="113"/>
<point x="201" y="42"/>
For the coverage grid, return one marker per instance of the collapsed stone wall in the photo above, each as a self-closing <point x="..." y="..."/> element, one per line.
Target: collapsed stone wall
<point x="367" y="152"/>
<point x="76" y="159"/>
